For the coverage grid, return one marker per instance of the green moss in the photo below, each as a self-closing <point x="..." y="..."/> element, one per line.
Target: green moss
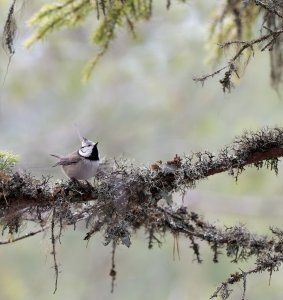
<point x="7" y="160"/>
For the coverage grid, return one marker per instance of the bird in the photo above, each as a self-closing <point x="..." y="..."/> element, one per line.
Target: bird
<point x="81" y="164"/>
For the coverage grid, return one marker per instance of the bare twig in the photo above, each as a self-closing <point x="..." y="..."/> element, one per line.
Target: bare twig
<point x="270" y="9"/>
<point x="113" y="271"/>
<point x="53" y="241"/>
<point x="231" y="65"/>
<point x="27" y="235"/>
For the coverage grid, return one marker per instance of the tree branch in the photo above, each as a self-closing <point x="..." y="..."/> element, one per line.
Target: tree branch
<point x="125" y="198"/>
<point x="27" y="235"/>
<point x="271" y="38"/>
<point x="123" y="181"/>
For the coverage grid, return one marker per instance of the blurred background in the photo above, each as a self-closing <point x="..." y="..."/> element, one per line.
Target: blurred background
<point x="141" y="102"/>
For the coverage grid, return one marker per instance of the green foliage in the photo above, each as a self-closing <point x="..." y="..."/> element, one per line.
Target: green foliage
<point x="103" y="35"/>
<point x="70" y="13"/>
<point x="232" y="21"/>
<point x="119" y="14"/>
<point x="7" y="160"/>
<point x="51" y="17"/>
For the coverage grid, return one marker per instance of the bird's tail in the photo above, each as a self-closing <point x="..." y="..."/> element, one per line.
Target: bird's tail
<point x="57" y="156"/>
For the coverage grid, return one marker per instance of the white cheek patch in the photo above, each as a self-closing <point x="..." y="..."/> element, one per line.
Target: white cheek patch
<point x="85" y="151"/>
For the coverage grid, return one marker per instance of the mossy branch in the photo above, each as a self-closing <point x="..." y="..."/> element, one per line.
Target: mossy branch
<point x="261" y="148"/>
<point x="125" y="198"/>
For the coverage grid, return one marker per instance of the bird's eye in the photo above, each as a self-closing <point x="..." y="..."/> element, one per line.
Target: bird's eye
<point x="83" y="148"/>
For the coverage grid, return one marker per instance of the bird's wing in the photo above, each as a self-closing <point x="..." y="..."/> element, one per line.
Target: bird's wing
<point x="72" y="158"/>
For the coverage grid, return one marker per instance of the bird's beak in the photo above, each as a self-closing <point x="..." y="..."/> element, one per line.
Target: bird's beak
<point x="96" y="144"/>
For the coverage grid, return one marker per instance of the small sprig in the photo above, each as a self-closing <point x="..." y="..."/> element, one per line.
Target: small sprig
<point x="7" y="160"/>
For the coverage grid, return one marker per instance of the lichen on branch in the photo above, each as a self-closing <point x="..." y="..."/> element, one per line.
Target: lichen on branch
<point x="125" y="198"/>
<point x="121" y="185"/>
